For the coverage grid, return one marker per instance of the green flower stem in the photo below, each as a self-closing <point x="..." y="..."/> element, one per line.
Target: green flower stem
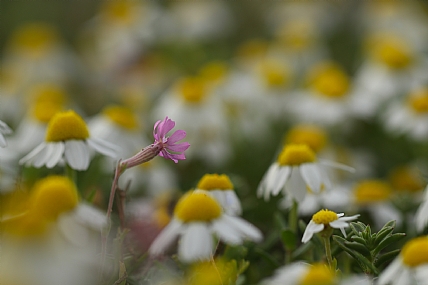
<point x="328" y="251"/>
<point x="293" y="216"/>
<point x="70" y="173"/>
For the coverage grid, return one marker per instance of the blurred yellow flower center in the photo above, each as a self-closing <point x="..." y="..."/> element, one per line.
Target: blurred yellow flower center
<point x="197" y="206"/>
<point x="371" y="191"/>
<point x="215" y="182"/>
<point x="329" y="80"/>
<point x="214" y="71"/>
<point x="219" y="272"/>
<point x="406" y="179"/>
<point x="297" y="35"/>
<point x="162" y="216"/>
<point x="48" y="93"/>
<point x="324" y="217"/>
<point x="192" y="89"/>
<point x="418" y="101"/>
<point x="122" y="116"/>
<point x="119" y="11"/>
<point x="274" y="74"/>
<point x="296" y="154"/>
<point x="415" y="252"/>
<point x="313" y="136"/>
<point x="44" y="111"/>
<point x="391" y="51"/>
<point x="35" y="38"/>
<point x="318" y="274"/>
<point x="66" y="126"/>
<point x="52" y="196"/>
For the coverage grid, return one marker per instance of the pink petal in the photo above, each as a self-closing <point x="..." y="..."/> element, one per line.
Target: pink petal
<point x="176" y="136"/>
<point x="178" y="147"/>
<point x="164" y="127"/>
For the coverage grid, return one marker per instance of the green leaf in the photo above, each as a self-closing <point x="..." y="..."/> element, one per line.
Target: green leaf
<point x="391" y="223"/>
<point x="356" y="227"/>
<point x="358" y="247"/>
<point x="289" y="239"/>
<point x="383" y="233"/>
<point x="301" y="250"/>
<point x="387" y="241"/>
<point x="269" y="258"/>
<point x="359" y="240"/>
<point x="279" y="220"/>
<point x="386" y="257"/>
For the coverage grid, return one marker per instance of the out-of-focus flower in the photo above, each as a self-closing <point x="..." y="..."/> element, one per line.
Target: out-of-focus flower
<point x="197" y="217"/>
<point x="325" y="220"/>
<point x="164" y="146"/>
<point x="67" y="138"/>
<point x="375" y="197"/>
<point x="302" y="274"/>
<point x="221" y="188"/>
<point x="421" y="217"/>
<point x="213" y="272"/>
<point x="4" y="130"/>
<point x="409" y="117"/>
<point x="312" y="135"/>
<point x="296" y="170"/>
<point x="200" y="113"/>
<point x="410" y="266"/>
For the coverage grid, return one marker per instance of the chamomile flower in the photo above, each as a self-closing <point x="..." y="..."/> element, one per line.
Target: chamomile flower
<point x="67" y="138"/>
<point x="303" y="274"/>
<point x="410" y="267"/>
<point x="421" y="217"/>
<point x="198" y="217"/>
<point x="410" y="116"/>
<point x="295" y="170"/>
<point x="325" y="220"/>
<point x="4" y="130"/>
<point x="221" y="188"/>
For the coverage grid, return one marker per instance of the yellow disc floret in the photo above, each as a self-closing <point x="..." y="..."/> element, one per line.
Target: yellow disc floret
<point x="192" y="89"/>
<point x="48" y="93"/>
<point x="418" y="101"/>
<point x="66" y="126"/>
<point x="296" y="154"/>
<point x="313" y="136"/>
<point x="415" y="252"/>
<point x="372" y="191"/>
<point x="119" y="11"/>
<point x="274" y="74"/>
<point x="215" y="182"/>
<point x="34" y="38"/>
<point x="297" y="35"/>
<point x="214" y="71"/>
<point x="329" y="80"/>
<point x="52" y="196"/>
<point x="318" y="274"/>
<point x="197" y="206"/>
<point x="122" y="116"/>
<point x="324" y="217"/>
<point x="391" y="51"/>
<point x="44" y="111"/>
<point x="405" y="178"/>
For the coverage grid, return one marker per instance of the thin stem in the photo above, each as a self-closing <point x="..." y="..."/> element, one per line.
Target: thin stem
<point x="293" y="216"/>
<point x="328" y="251"/>
<point x="70" y="173"/>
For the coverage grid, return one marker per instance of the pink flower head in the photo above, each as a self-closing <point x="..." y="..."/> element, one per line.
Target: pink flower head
<point x="169" y="148"/>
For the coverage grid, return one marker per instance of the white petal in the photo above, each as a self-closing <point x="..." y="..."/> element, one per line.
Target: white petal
<point x="296" y="186"/>
<point x="290" y="274"/>
<point x="55" y="155"/>
<point x="166" y="237"/>
<point x="103" y="147"/>
<point x="350" y="218"/>
<point x="196" y="243"/>
<point x="44" y="155"/>
<point x="311" y="175"/>
<point x="77" y="154"/>
<point x="245" y="228"/>
<point x="310" y="230"/>
<point x="228" y="200"/>
<point x="3" y="142"/>
<point x="90" y="216"/>
<point x="421" y="217"/>
<point x="72" y="230"/>
<point x="421" y="274"/>
<point x="267" y="180"/>
<point x="337" y="165"/>
<point x="390" y="273"/>
<point x="281" y="178"/>
<point x="226" y="232"/>
<point x="28" y="159"/>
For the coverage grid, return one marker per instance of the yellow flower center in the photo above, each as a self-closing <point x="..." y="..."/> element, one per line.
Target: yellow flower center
<point x="324" y="217"/>
<point x="297" y="35"/>
<point x="274" y="74"/>
<point x="418" y="101"/>
<point x="66" y="126"/>
<point x="215" y="182"/>
<point x="48" y="93"/>
<point x="405" y="178"/>
<point x="35" y="38"/>
<point x="44" y="111"/>
<point x="52" y="196"/>
<point x="372" y="191"/>
<point x="192" y="89"/>
<point x="391" y="51"/>
<point x="296" y="154"/>
<point x="415" y="252"/>
<point x="329" y="80"/>
<point x="318" y="274"/>
<point x="214" y="71"/>
<point x="122" y="116"/>
<point x="119" y="11"/>
<point x="313" y="136"/>
<point x="253" y="48"/>
<point x="216" y="272"/>
<point x="197" y="206"/>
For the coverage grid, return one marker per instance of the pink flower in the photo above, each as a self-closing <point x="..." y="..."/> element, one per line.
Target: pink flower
<point x="164" y="146"/>
<point x="170" y="149"/>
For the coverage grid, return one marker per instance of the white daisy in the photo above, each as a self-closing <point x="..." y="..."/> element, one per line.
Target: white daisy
<point x="4" y="130"/>
<point x="410" y="267"/>
<point x="67" y="138"/>
<point x="221" y="188"/>
<point x="197" y="218"/>
<point x="326" y="219"/>
<point x="295" y="171"/>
